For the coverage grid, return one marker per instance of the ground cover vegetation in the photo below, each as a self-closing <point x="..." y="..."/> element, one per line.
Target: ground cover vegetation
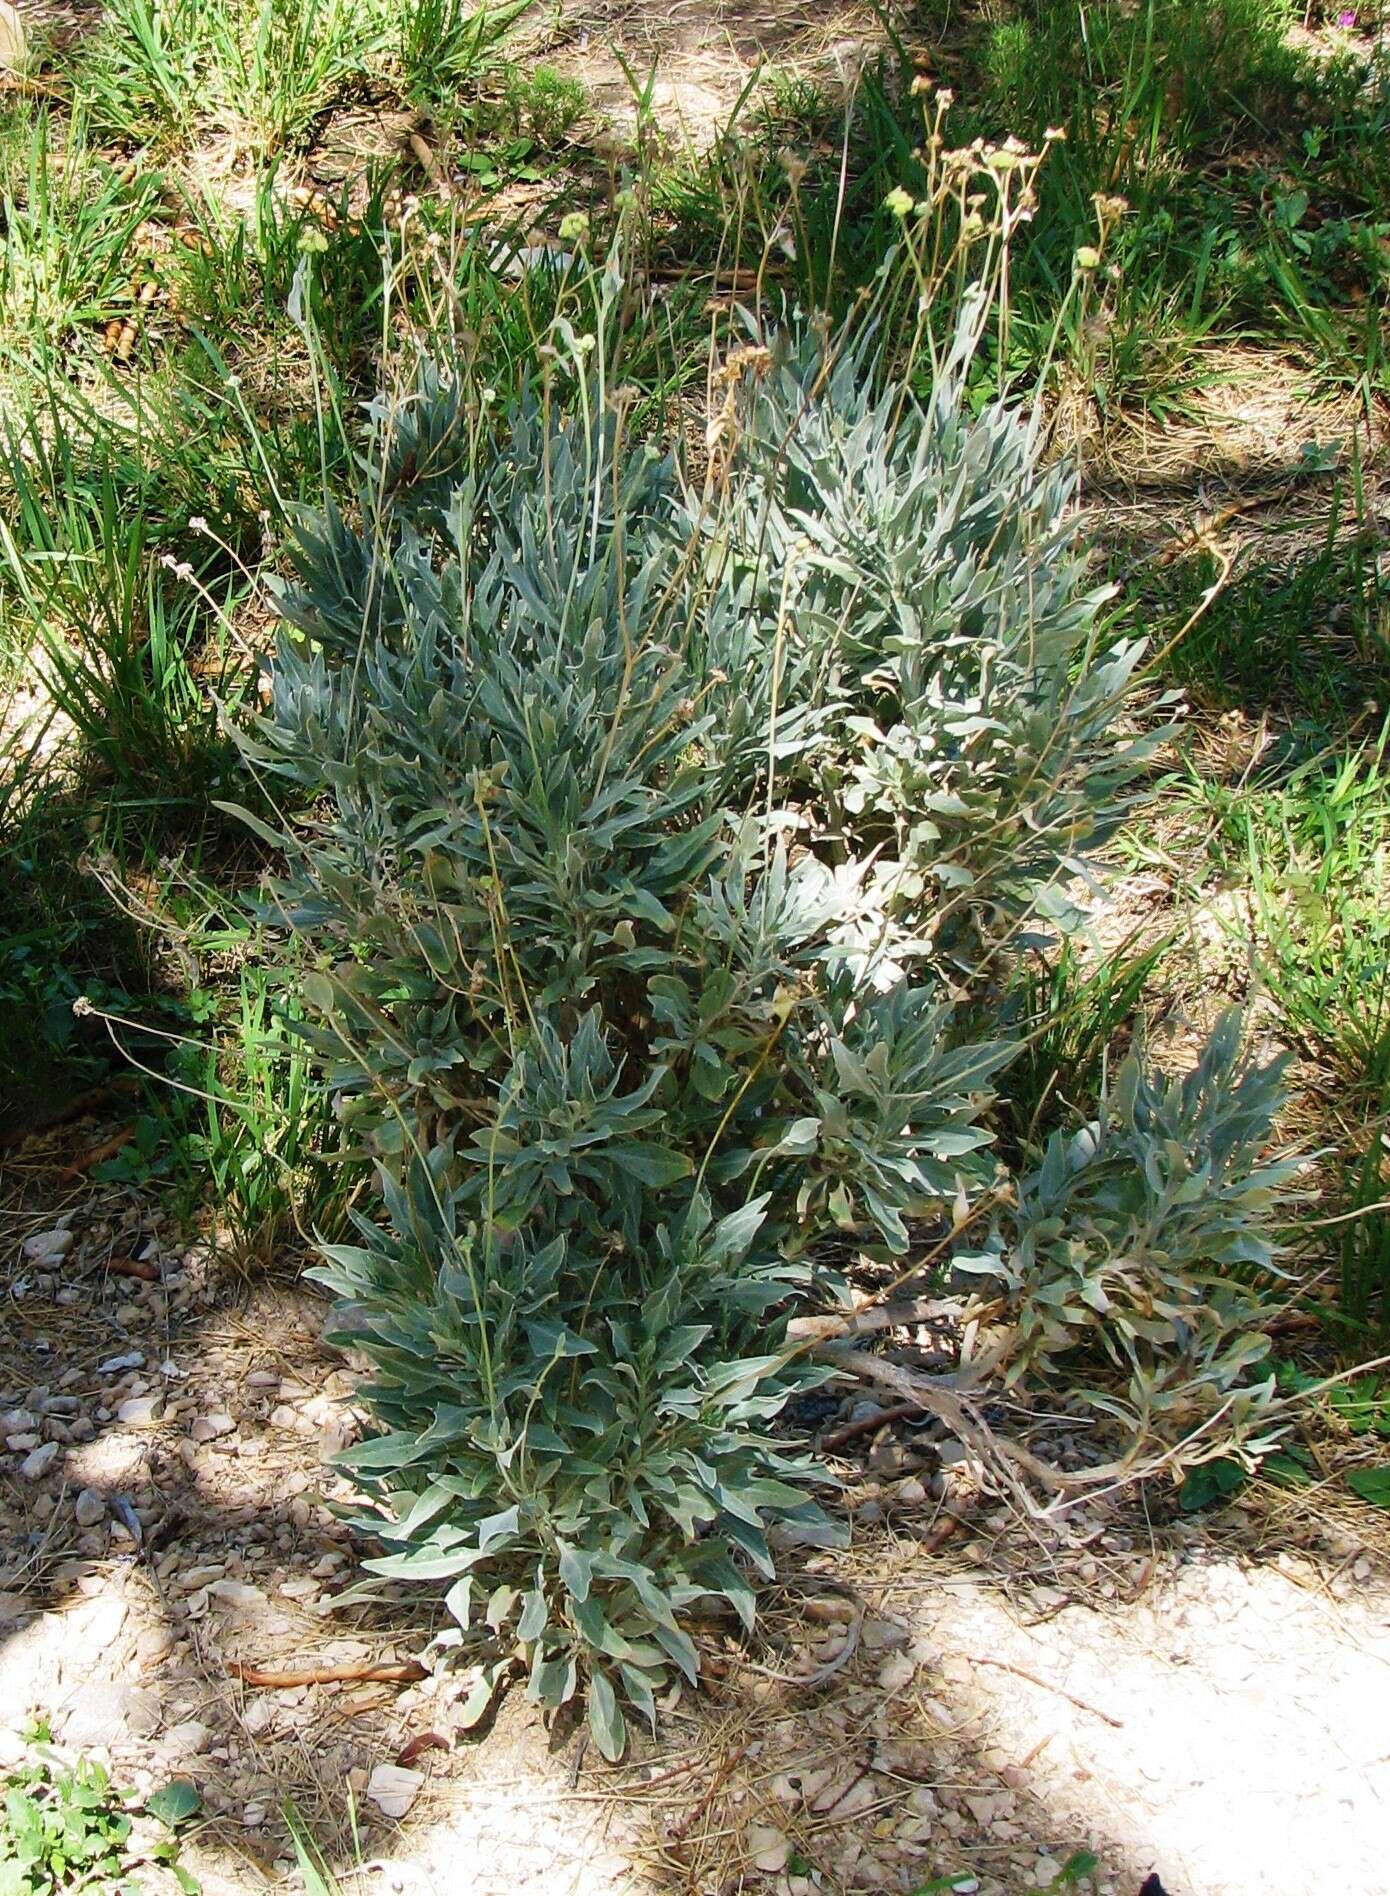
<point x="571" y="777"/>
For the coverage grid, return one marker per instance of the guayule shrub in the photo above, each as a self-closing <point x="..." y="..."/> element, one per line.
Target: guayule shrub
<point x="948" y="698"/>
<point x="648" y="837"/>
<point x="1146" y="1231"/>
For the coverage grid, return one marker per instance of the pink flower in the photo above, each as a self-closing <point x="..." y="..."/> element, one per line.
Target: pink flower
<point x="1347" y="19"/>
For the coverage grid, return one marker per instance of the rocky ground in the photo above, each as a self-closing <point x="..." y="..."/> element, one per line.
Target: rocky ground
<point x="169" y="1539"/>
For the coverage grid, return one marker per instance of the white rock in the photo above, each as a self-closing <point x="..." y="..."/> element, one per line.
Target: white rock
<point x="89" y="1508"/>
<point x="259" y="1714"/>
<point x="235" y="1593"/>
<point x="183" y="1742"/>
<point x="99" y="1622"/>
<point x="18" y="1421"/>
<point x="301" y="1588"/>
<point x="21" y="1444"/>
<point x="393" y="1789"/>
<point x="14" y="44"/>
<point x="34" y="1467"/>
<point x="133" y="1359"/>
<point x="339" y="1433"/>
<point x="110" y="1714"/>
<point x="194" y="1577"/>
<point x="140" y="1412"/>
<point x="896" y="1672"/>
<point x="209" y="1427"/>
<point x="846" y="1798"/>
<point x="45" y="1247"/>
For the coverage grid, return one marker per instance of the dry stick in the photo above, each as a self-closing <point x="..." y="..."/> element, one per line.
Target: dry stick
<point x="1007" y="1457"/>
<point x="431" y="167"/>
<point x="426" y="1741"/>
<point x="721" y="1777"/>
<point x="94" y="1155"/>
<point x="407" y="1672"/>
<point x="138" y="1267"/>
<point x="1022" y="1672"/>
<point x="851" y="1431"/>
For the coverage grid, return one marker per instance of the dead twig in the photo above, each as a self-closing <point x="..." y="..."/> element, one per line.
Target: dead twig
<point x="96" y="1154"/>
<point x="681" y="1831"/>
<point x="138" y="1267"/>
<point x="1022" y="1672"/>
<point x="851" y="1431"/>
<point x="407" y="1672"/>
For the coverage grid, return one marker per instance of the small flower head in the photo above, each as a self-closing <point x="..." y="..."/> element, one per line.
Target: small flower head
<point x="899" y="202"/>
<point x="574" y="228"/>
<point x="1088" y="258"/>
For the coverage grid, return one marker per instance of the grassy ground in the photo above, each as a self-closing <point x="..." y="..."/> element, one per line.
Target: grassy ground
<point x="218" y="218"/>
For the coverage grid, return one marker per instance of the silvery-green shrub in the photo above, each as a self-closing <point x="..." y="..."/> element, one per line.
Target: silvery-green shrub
<point x="645" y="835"/>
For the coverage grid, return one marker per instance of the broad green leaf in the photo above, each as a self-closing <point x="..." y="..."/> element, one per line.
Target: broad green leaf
<point x="576" y="1570"/>
<point x="174" y="1803"/>
<point x="1372" y="1484"/>
<point x="605" y="1720"/>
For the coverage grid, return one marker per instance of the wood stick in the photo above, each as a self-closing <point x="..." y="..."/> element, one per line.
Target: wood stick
<point x="426" y="1741"/>
<point x="681" y="1831"/>
<point x="138" y="1267"/>
<point x="851" y="1431"/>
<point x="1022" y="1672"/>
<point x="407" y="1672"/>
<point x="94" y="1155"/>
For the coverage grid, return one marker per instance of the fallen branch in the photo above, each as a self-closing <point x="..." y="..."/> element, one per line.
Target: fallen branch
<point x="885" y="1316"/>
<point x="1007" y="1459"/>
<point x="431" y="167"/>
<point x="426" y="1741"/>
<point x="406" y="1672"/>
<point x="936" y="1537"/>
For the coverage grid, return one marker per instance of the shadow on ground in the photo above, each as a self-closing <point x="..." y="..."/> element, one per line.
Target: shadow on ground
<point x="962" y="1733"/>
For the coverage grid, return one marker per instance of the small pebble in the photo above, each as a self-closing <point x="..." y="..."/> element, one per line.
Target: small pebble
<point x="89" y="1508"/>
<point x="35" y="1466"/>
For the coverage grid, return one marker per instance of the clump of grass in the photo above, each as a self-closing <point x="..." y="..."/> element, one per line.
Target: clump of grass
<point x="58" y="937"/>
<point x="68" y="220"/>
<point x="1310" y="846"/>
<point x="1074" y="1014"/>
<point x="133" y="655"/>
<point x="1362" y="1313"/>
<point x="1303" y="636"/>
<point x="444" y="44"/>
<point x="261" y="71"/>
